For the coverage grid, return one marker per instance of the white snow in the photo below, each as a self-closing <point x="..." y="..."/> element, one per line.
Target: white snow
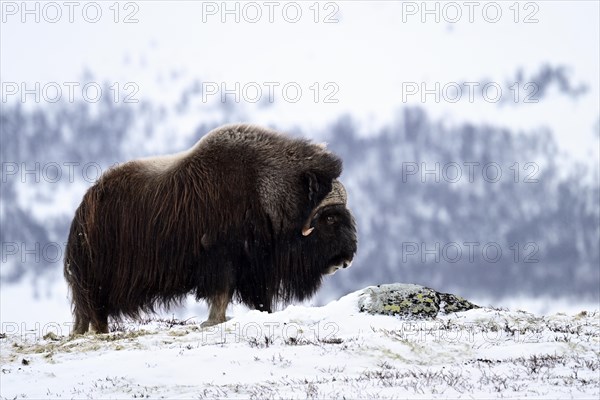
<point x="315" y="352"/>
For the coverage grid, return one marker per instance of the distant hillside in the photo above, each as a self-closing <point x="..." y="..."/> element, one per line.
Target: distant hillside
<point x="469" y="206"/>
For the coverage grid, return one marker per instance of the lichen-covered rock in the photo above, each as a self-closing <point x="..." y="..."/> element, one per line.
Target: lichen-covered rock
<point x="411" y="301"/>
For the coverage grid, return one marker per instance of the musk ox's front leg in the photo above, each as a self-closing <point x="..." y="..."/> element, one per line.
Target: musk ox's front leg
<point x="218" y="306"/>
<point x="263" y="305"/>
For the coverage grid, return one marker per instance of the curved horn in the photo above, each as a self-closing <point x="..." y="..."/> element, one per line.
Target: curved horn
<point x="337" y="196"/>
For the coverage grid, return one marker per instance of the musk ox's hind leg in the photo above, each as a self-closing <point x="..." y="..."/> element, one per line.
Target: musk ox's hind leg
<point x="82" y="323"/>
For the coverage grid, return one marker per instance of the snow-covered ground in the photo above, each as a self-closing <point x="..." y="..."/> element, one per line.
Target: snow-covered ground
<point x="314" y="352"/>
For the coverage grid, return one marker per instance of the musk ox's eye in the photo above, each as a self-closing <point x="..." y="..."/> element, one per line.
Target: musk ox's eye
<point x="330" y="220"/>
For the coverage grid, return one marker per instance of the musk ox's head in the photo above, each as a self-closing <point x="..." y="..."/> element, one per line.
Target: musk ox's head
<point x="331" y="229"/>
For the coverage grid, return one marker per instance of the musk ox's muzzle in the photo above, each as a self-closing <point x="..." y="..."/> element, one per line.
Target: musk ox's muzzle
<point x="337" y="198"/>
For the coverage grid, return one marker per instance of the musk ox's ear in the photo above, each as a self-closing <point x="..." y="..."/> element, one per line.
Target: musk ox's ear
<point x="313" y="187"/>
<point x="317" y="189"/>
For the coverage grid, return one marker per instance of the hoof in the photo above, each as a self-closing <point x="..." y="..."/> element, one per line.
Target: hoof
<point x="209" y="323"/>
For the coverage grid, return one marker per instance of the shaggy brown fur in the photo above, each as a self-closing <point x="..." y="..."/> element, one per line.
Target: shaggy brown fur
<point x="222" y="220"/>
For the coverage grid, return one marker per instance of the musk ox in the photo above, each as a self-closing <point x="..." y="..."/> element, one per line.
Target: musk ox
<point x="247" y="214"/>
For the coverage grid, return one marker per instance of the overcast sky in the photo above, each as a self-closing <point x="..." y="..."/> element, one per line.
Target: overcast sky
<point x="367" y="56"/>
